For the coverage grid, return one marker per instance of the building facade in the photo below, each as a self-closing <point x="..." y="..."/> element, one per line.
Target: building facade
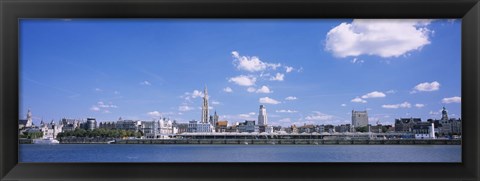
<point x="262" y="116"/>
<point x="359" y="118"/>
<point x="406" y="124"/>
<point x="50" y="130"/>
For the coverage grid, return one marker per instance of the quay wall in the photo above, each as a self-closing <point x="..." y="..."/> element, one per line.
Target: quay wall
<point x="289" y="142"/>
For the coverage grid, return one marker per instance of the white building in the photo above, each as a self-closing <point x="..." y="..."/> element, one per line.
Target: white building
<point x="161" y="129"/>
<point x="262" y="116"/>
<point x="424" y="131"/>
<point x="50" y="130"/>
<point x="195" y="127"/>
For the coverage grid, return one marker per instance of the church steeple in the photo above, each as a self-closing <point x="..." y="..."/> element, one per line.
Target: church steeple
<point x="29" y="119"/>
<point x="205" y="114"/>
<point x="444" y="114"/>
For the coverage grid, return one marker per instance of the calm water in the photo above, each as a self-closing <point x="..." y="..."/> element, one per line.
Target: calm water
<point x="238" y="153"/>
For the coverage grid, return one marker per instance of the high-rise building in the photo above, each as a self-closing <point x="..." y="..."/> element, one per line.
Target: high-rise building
<point x="205" y="107"/>
<point x="359" y="118"/>
<point x="262" y="116"/>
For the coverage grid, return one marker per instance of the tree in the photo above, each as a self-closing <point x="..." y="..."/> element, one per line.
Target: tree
<point x="362" y="129"/>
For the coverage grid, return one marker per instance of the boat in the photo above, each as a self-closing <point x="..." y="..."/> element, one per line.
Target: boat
<point x="45" y="141"/>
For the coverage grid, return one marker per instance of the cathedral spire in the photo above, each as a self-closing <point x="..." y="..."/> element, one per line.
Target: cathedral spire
<point x="205" y="114"/>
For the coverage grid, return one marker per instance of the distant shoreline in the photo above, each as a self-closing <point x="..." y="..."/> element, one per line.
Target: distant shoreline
<point x="263" y="141"/>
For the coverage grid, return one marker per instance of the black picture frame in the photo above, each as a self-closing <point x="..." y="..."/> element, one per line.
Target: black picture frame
<point x="12" y="10"/>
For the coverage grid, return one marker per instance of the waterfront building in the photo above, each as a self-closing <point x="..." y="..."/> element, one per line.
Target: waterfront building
<point x="128" y="125"/>
<point x="50" y="130"/>
<point x="150" y="129"/>
<point x="26" y="123"/>
<point x="448" y="126"/>
<point x="107" y="125"/>
<point x="214" y="119"/>
<point x="262" y="116"/>
<point x="221" y="126"/>
<point x="181" y="127"/>
<point x="248" y="126"/>
<point x="359" y="118"/>
<point x="269" y="129"/>
<point x="307" y="128"/>
<point x="291" y="129"/>
<point x="406" y="124"/>
<point x="343" y="128"/>
<point x="196" y="127"/>
<point x="162" y="128"/>
<point x="166" y="127"/>
<point x="91" y="124"/>
<point x="205" y="114"/>
<point x="424" y="130"/>
<point x="70" y="124"/>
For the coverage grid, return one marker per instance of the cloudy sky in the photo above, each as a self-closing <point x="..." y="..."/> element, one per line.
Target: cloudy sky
<point x="303" y="71"/>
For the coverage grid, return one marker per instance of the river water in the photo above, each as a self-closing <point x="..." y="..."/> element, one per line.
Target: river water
<point x="237" y="153"/>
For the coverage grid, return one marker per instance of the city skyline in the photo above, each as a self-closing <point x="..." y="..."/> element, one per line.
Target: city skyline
<point x="303" y="71"/>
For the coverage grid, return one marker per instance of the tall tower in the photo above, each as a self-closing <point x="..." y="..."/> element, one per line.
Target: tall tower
<point x="205" y="107"/>
<point x="359" y="118"/>
<point x="215" y="119"/>
<point x="444" y="114"/>
<point x="262" y="116"/>
<point x="29" y="119"/>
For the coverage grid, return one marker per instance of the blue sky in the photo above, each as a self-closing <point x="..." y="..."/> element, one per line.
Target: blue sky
<point x="303" y="71"/>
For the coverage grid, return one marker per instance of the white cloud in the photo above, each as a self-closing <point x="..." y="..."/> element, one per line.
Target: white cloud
<point x="278" y="77"/>
<point x="154" y="114"/>
<point x="244" y="115"/>
<point x="215" y="103"/>
<point x="343" y="105"/>
<point x="288" y="69"/>
<point x="116" y="92"/>
<point x="380" y="37"/>
<point x="98" y="90"/>
<point x="192" y="95"/>
<point x="426" y="87"/>
<point x="184" y="108"/>
<point x="251" y="113"/>
<point x="101" y="106"/>
<point x="419" y="105"/>
<point x="374" y="94"/>
<point x="318" y="116"/>
<point x="251" y="89"/>
<point x="251" y="64"/>
<point x="243" y="80"/>
<point x="145" y="83"/>
<point x="449" y="100"/>
<point x="356" y="60"/>
<point x="396" y="106"/>
<point x="197" y="93"/>
<point x="358" y="100"/>
<point x="95" y="108"/>
<point x="291" y="98"/>
<point x="227" y="89"/>
<point x="267" y="100"/>
<point x="391" y="92"/>
<point x="264" y="89"/>
<point x="285" y="120"/>
<point x="286" y="111"/>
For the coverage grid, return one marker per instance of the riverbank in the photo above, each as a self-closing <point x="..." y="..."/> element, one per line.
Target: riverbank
<point x="290" y="142"/>
<point x="256" y="141"/>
